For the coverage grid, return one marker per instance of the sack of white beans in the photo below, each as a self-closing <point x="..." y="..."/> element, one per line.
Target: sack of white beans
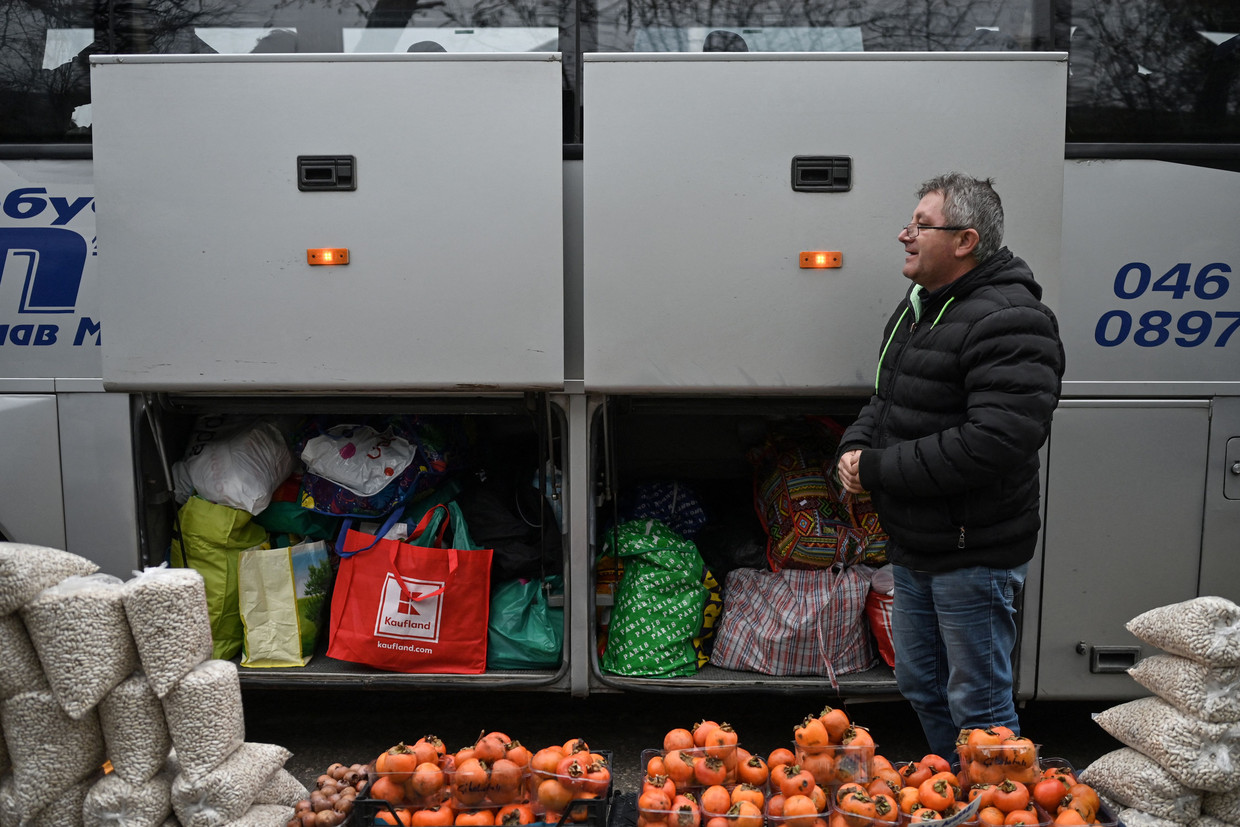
<point x="1132" y="817"/>
<point x="9" y="817"/>
<point x="1210" y="693"/>
<point x="1224" y="806"/>
<point x="79" y="630"/>
<point x="170" y="623"/>
<point x="263" y="815"/>
<point x="1208" y="821"/>
<point x="135" y="731"/>
<point x="1205" y="629"/>
<point x="1199" y="754"/>
<point x="226" y="793"/>
<point x="26" y="570"/>
<point x="22" y="670"/>
<point x="50" y="751"/>
<point x="115" y="802"/>
<point x="281" y="788"/>
<point x="1132" y="779"/>
<point x="66" y="810"/>
<point x="206" y="718"/>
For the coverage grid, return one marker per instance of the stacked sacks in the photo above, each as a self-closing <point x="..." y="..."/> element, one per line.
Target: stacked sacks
<point x="1181" y="761"/>
<point x="75" y="694"/>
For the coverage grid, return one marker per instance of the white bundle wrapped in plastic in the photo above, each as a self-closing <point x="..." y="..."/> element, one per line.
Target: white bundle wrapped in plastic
<point x="135" y="731"/>
<point x="26" y="570"/>
<point x="1132" y="779"/>
<point x="228" y="792"/>
<point x="66" y="810"/>
<point x="22" y="671"/>
<point x="51" y="752"/>
<point x="1223" y="806"/>
<point x="1200" y="755"/>
<point x="1205" y="629"/>
<point x="79" y="630"/>
<point x="1209" y="693"/>
<point x="206" y="719"/>
<point x="170" y="623"/>
<point x="234" y="463"/>
<point x="113" y="801"/>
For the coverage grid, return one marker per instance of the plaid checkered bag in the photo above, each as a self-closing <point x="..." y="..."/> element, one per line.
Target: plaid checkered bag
<point x="795" y="622"/>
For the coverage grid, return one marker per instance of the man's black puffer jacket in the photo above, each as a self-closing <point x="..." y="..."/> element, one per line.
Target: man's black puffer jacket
<point x="963" y="403"/>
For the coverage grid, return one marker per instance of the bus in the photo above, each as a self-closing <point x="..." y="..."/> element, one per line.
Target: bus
<point x="583" y="242"/>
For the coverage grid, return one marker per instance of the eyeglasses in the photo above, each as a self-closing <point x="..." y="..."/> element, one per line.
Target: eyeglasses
<point x="915" y="228"/>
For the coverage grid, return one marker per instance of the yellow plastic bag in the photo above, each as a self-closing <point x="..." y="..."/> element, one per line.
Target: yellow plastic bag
<point x="281" y="596"/>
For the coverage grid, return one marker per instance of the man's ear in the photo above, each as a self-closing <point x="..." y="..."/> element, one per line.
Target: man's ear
<point x="966" y="243"/>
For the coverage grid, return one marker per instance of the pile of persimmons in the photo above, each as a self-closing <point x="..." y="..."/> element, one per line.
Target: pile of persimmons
<point x="496" y="781"/>
<point x="834" y="777"/>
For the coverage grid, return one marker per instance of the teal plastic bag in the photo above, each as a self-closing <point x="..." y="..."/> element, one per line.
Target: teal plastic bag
<point x="525" y="631"/>
<point x="659" y="603"/>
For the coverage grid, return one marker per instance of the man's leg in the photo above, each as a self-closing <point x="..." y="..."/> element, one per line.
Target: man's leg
<point x="921" y="662"/>
<point x="977" y="622"/>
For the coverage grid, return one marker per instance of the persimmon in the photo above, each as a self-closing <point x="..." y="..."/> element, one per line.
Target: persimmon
<point x="753" y="770"/>
<point x="597" y="778"/>
<point x="514" y="815"/>
<point x="938" y="791"/>
<point x="519" y="754"/>
<point x="924" y="814"/>
<point x="490" y="747"/>
<point x="1011" y="795"/>
<point x="576" y="745"/>
<point x="799" y="811"/>
<point x="678" y="738"/>
<point x="1088" y="796"/>
<point x="846" y="788"/>
<point x="572" y="769"/>
<point x="1068" y="817"/>
<point x="914" y="773"/>
<point x="469" y="782"/>
<point x="858" y="808"/>
<point x="780" y="755"/>
<point x="685" y="812"/>
<point x="748" y="792"/>
<point x="1021" y="818"/>
<point x="440" y="816"/>
<point x="544" y="762"/>
<point x="701" y="729"/>
<point x="745" y="814"/>
<point x="1050" y="792"/>
<point x="885" y="808"/>
<point x="397" y="762"/>
<point x="721" y="741"/>
<point x="819" y="763"/>
<point x="936" y="762"/>
<point x="660" y="782"/>
<point x="387" y="788"/>
<point x="426" y="780"/>
<point x="888" y="777"/>
<point x="402" y="816"/>
<point x="836" y="722"/>
<point x="811" y="732"/>
<point x="986" y="792"/>
<point x="796" y="781"/>
<point x="426" y="751"/>
<point x="504" y="783"/>
<point x="818" y="795"/>
<point x="680" y="764"/>
<point x="715" y="800"/>
<point x="852" y="765"/>
<point x="709" y="770"/>
<point x="718" y="821"/>
<point x="908" y="800"/>
<point x="653" y="800"/>
<point x="990" y="817"/>
<point x="480" y="817"/>
<point x="775" y="805"/>
<point x="1082" y="805"/>
<point x="554" y="795"/>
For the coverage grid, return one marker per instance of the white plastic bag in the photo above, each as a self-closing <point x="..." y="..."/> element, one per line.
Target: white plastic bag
<point x="358" y="457"/>
<point x="235" y="464"/>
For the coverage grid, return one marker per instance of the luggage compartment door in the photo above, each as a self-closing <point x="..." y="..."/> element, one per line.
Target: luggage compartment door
<point x="229" y="187"/>
<point x="707" y="176"/>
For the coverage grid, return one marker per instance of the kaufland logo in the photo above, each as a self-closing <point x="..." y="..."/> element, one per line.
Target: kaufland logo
<point x="41" y="270"/>
<point x="411" y="612"/>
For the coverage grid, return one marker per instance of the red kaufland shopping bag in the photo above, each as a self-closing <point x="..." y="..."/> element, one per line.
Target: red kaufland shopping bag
<point x="413" y="606"/>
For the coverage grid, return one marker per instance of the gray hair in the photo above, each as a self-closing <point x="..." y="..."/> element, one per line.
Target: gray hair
<point x="970" y="202"/>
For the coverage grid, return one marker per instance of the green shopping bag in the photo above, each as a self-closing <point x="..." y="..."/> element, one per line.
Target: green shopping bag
<point x="659" y="603"/>
<point x="524" y="631"/>
<point x="282" y="593"/>
<point x="209" y="540"/>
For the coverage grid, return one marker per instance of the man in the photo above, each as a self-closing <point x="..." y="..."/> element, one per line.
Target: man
<point x="969" y="375"/>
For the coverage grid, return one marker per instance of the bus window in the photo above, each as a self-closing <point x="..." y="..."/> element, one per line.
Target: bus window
<point x="1152" y="71"/>
<point x="45" y="47"/>
<point x="817" y="25"/>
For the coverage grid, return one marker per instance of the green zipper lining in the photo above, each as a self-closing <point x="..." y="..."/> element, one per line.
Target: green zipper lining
<point x="893" y="335"/>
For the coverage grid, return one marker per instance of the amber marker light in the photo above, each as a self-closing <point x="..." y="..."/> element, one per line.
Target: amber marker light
<point x="821" y="260"/>
<point x="327" y="255"/>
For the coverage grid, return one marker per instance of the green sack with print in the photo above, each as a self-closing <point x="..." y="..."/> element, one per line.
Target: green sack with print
<point x="658" y="604"/>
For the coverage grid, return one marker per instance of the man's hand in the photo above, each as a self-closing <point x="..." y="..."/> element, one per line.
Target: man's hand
<point x="850" y="472"/>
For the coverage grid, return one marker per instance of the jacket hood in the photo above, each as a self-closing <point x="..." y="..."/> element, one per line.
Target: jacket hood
<point x="1002" y="268"/>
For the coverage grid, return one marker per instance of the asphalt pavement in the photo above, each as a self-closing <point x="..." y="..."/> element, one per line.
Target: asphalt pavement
<point x="321" y="727"/>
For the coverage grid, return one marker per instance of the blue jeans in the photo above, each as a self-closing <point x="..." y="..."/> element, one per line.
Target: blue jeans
<point x="954" y="633"/>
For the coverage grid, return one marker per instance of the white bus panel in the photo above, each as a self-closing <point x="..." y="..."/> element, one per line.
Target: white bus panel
<point x="442" y="181"/>
<point x="694" y="232"/>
